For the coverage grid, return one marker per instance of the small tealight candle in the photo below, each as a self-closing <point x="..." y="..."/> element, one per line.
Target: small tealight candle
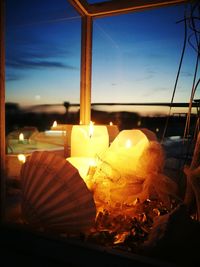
<point x="22" y="158"/>
<point x="21" y="138"/>
<point x="14" y="163"/>
<point x="58" y="127"/>
<point x="54" y="124"/>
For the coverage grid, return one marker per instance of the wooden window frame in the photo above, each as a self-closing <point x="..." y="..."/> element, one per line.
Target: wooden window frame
<point x="88" y="12"/>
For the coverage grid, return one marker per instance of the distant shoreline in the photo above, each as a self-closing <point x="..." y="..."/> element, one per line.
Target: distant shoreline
<point x="143" y="109"/>
<point x="17" y="118"/>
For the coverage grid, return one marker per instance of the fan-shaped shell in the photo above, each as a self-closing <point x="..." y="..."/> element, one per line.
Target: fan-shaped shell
<point x="54" y="196"/>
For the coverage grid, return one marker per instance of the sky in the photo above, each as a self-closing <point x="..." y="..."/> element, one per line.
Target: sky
<point x="135" y="56"/>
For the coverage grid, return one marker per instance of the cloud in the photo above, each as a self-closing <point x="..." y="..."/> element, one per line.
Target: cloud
<point x="33" y="64"/>
<point x="144" y="78"/>
<point x="150" y="71"/>
<point x="13" y="77"/>
<point x="47" y="52"/>
<point x="32" y="52"/>
<point x="156" y="55"/>
<point x="186" y="74"/>
<point x="154" y="91"/>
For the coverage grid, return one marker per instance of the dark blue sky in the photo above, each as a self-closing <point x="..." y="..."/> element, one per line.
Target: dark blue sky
<point x="135" y="56"/>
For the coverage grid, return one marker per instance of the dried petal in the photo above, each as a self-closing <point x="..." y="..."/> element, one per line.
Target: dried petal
<point x="120" y="238"/>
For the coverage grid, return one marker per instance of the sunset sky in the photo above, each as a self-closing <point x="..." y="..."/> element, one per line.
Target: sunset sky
<point x="135" y="56"/>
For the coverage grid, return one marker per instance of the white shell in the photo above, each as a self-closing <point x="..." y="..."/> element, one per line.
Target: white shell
<point x="54" y="196"/>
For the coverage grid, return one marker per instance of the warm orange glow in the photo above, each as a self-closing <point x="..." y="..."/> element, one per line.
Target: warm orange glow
<point x="119" y="177"/>
<point x="21" y="137"/>
<point x="55" y="124"/>
<point x="91" y="129"/>
<point x="22" y="158"/>
<point x="85" y="166"/>
<point x="128" y="143"/>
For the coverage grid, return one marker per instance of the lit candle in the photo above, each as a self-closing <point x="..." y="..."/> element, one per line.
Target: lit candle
<point x="21" y="138"/>
<point x="119" y="178"/>
<point x="21" y="158"/>
<point x="58" y="127"/>
<point x="54" y="124"/>
<point x="14" y="163"/>
<point x="124" y="152"/>
<point x="89" y="140"/>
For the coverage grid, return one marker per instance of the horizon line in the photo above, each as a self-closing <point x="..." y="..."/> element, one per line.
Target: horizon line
<point x="168" y="104"/>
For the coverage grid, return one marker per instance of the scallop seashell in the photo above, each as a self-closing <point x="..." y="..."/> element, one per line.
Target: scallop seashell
<point x="54" y="196"/>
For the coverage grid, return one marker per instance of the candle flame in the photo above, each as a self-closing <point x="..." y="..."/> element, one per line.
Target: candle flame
<point x="21" y="137"/>
<point x="80" y="123"/>
<point x="128" y="143"/>
<point x="92" y="163"/>
<point x="22" y="158"/>
<point x="91" y="129"/>
<point x="55" y="124"/>
<point x="111" y="123"/>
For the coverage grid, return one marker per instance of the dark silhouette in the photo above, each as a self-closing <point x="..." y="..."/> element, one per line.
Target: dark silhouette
<point x="17" y="118"/>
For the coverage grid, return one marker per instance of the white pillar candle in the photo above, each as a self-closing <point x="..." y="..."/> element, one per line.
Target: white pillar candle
<point x="126" y="149"/>
<point x="89" y="140"/>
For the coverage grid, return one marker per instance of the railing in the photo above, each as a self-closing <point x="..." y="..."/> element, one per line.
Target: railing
<point x="166" y="104"/>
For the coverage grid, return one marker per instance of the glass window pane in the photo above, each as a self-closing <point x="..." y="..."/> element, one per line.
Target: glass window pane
<point x="42" y="59"/>
<point x="136" y="58"/>
<point x="43" y="41"/>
